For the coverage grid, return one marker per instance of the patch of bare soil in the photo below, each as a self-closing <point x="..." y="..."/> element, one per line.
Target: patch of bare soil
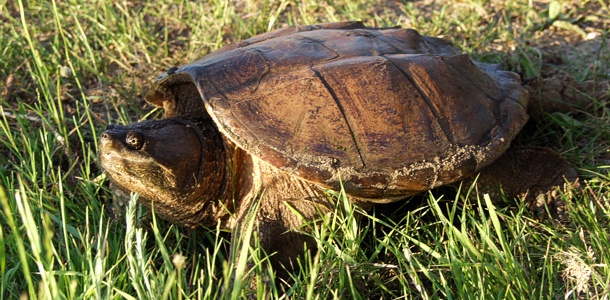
<point x="587" y="56"/>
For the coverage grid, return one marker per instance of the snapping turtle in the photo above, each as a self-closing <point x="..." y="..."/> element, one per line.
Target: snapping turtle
<point x="386" y="113"/>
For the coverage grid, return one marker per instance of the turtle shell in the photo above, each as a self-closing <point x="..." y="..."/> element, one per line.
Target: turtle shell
<point x="382" y="112"/>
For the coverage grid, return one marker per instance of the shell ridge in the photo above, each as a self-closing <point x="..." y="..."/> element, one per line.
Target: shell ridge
<point x="427" y="101"/>
<point x="342" y="110"/>
<point x="452" y="65"/>
<point x="501" y="74"/>
<point x="321" y="43"/>
<point x="267" y="71"/>
<point x="383" y="38"/>
<point x="495" y="112"/>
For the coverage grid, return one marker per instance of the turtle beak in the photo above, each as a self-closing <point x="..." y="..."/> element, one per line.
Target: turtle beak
<point x="109" y="137"/>
<point x="110" y="134"/>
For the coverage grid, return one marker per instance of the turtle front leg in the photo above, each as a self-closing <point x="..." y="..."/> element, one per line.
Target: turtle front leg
<point x="279" y="211"/>
<point x="536" y="175"/>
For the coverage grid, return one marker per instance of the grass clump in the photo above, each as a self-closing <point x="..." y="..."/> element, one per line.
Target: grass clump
<point x="70" y="68"/>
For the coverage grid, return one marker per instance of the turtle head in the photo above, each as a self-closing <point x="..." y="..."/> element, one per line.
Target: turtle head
<point x="168" y="162"/>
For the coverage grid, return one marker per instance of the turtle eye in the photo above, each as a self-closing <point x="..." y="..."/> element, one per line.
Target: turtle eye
<point x="134" y="140"/>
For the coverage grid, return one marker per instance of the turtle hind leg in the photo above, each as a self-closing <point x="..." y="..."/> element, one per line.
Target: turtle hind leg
<point x="557" y="91"/>
<point x="539" y="176"/>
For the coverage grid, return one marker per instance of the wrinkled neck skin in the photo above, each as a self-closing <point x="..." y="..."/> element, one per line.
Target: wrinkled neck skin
<point x="224" y="173"/>
<point x="223" y="181"/>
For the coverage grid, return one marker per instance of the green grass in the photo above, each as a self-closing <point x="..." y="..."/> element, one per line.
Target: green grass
<point x="78" y="66"/>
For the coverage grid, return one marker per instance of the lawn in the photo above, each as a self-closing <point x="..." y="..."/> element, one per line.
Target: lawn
<point x="69" y="68"/>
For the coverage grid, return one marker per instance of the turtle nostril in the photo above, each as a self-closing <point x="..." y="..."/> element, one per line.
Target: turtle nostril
<point x="134" y="140"/>
<point x="105" y="135"/>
